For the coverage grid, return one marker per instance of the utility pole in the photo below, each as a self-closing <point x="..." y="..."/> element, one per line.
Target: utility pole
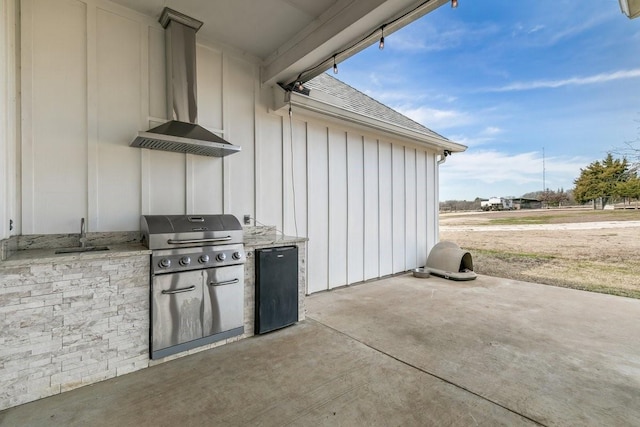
<point x="544" y="177"/>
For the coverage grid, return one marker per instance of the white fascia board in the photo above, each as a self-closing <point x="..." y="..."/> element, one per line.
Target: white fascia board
<point x="328" y="111"/>
<point x="631" y="8"/>
<point x="342" y="28"/>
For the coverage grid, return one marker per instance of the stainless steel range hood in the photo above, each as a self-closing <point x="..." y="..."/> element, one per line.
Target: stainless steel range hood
<point x="182" y="133"/>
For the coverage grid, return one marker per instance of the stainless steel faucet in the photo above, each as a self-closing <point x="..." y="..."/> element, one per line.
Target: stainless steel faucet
<point x="83" y="234"/>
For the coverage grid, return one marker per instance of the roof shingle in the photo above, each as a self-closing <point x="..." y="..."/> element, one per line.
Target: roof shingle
<point x="355" y="101"/>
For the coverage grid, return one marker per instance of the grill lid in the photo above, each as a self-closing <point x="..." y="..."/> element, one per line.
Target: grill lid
<point x="180" y="231"/>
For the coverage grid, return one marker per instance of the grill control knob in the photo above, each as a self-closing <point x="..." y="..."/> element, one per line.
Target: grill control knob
<point x="185" y="260"/>
<point x="221" y="257"/>
<point x="203" y="259"/>
<point x="237" y="255"/>
<point x="165" y="263"/>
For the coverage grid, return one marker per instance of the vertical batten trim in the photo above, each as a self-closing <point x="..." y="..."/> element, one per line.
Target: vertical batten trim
<point x="379" y="212"/>
<point x="378" y="202"/>
<point x="427" y="202"/>
<point x="15" y="115"/>
<point x="327" y="137"/>
<point x="27" y="172"/>
<point x="364" y="208"/>
<point x="415" y="192"/>
<point x="145" y="155"/>
<point x="405" y="225"/>
<point x="189" y="184"/>
<point x="257" y="160"/>
<point x="283" y="181"/>
<point x="92" y="119"/>
<point x="393" y="193"/>
<point x="306" y="269"/>
<point x="425" y="208"/>
<point x="405" y="204"/>
<point x="9" y="110"/>
<point x="257" y="126"/>
<point x="4" y="115"/>
<point x="436" y="202"/>
<point x="348" y="188"/>
<point x="226" y="175"/>
<point x="306" y="196"/>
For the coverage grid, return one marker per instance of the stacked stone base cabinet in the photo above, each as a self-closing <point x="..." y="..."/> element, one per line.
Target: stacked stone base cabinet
<point x="76" y="319"/>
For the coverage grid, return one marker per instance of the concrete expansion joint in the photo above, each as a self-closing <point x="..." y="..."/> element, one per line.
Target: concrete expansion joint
<point x="410" y="365"/>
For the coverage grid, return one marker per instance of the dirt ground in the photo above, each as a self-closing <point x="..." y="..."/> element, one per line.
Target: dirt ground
<point x="577" y="248"/>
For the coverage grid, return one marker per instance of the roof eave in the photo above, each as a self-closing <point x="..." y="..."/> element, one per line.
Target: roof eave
<point x="326" y="109"/>
<point x="343" y="30"/>
<point x="631" y="8"/>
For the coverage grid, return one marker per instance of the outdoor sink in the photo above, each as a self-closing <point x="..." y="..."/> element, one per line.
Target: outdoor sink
<point x="81" y="250"/>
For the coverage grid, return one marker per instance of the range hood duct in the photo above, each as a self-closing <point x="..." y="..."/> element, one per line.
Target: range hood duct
<point x="182" y="133"/>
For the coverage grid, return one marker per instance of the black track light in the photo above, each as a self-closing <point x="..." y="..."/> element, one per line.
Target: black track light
<point x="454" y="3"/>
<point x="335" y="66"/>
<point x="381" y="44"/>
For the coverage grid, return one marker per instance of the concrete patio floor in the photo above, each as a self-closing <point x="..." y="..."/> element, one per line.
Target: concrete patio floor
<point x="400" y="351"/>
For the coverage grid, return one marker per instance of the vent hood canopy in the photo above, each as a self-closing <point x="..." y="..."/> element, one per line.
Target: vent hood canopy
<point x="182" y="134"/>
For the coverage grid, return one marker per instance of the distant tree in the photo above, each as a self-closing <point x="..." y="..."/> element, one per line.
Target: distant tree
<point x="559" y="198"/>
<point x="630" y="189"/>
<point x="544" y="197"/>
<point x="460" y="205"/>
<point x="553" y="198"/>
<point x="537" y="195"/>
<point x="631" y="149"/>
<point x="556" y="198"/>
<point x="601" y="180"/>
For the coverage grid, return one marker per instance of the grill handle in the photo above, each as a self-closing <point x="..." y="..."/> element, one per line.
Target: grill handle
<point x="226" y="282"/>
<point x="190" y="241"/>
<point x="178" y="291"/>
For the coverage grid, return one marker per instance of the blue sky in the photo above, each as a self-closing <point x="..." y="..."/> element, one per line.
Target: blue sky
<point x="507" y="79"/>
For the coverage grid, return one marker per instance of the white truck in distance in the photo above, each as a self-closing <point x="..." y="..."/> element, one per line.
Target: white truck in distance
<point x="496" y="204"/>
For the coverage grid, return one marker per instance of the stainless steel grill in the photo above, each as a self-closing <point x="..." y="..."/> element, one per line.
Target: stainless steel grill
<point x="197" y="280"/>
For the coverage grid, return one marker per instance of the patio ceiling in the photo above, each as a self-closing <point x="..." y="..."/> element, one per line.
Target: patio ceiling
<point x="290" y="37"/>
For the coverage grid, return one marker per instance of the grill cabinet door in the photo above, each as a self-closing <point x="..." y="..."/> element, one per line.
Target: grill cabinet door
<point x="177" y="309"/>
<point x="223" y="299"/>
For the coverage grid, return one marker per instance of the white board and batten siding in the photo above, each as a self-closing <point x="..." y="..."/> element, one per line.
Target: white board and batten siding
<point x="365" y="202"/>
<point x="93" y="75"/>
<point x="9" y="115"/>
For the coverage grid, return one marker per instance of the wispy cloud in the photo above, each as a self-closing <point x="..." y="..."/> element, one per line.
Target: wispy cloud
<point x="519" y="29"/>
<point x="572" y="81"/>
<point x="491" y="131"/>
<point x="405" y="98"/>
<point x="571" y="31"/>
<point x="483" y="137"/>
<point x="559" y="29"/>
<point x="535" y="29"/>
<point x="429" y="38"/>
<point x="435" y="118"/>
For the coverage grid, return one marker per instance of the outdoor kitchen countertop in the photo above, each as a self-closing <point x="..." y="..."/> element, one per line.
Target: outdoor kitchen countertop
<point x="46" y="255"/>
<point x="31" y="256"/>
<point x="271" y="240"/>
